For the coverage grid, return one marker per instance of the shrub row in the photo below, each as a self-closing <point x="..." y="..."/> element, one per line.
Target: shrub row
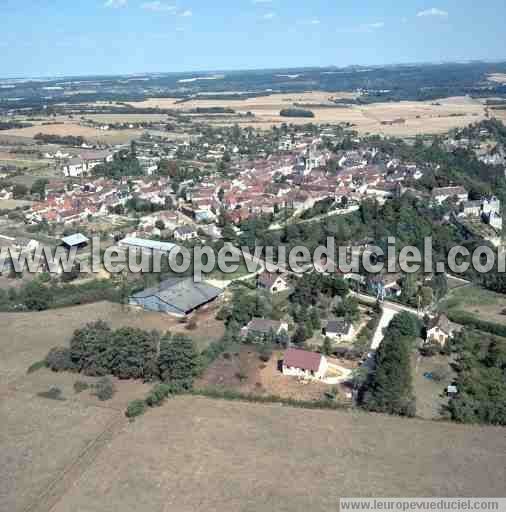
<point x="155" y="398"/>
<point x="461" y="317"/>
<point x="230" y="394"/>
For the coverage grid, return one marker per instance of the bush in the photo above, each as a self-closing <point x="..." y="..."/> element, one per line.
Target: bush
<point x="36" y="296"/>
<point x="80" y="386"/>
<point x="59" y="360"/>
<point x="135" y="408"/>
<point x="296" y="112"/>
<point x="229" y="394"/>
<point x="53" y="394"/>
<point x="104" y="389"/>
<point x="430" y="349"/>
<point x="159" y="394"/>
<point x="460" y="317"/>
<point x="37" y="366"/>
<point x="241" y="375"/>
<point x="192" y="325"/>
<point x="265" y="353"/>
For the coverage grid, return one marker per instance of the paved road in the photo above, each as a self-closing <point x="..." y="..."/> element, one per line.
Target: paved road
<point x="387" y="304"/>
<point x="386" y="317"/>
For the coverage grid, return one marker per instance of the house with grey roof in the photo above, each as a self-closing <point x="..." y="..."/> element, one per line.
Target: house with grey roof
<point x="185" y="233"/>
<point x="178" y="296"/>
<point x="339" y="329"/>
<point x="77" y="240"/>
<point x="260" y="327"/>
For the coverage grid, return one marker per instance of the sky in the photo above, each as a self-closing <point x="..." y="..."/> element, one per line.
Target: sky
<point x="103" y="37"/>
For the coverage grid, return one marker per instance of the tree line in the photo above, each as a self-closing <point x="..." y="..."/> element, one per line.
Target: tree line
<point x="389" y="388"/>
<point x="96" y="350"/>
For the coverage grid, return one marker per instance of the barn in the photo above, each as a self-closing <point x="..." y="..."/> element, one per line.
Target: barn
<point x="178" y="296"/>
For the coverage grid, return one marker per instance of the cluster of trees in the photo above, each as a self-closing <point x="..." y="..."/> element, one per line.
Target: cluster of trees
<point x="314" y="292"/>
<point x="9" y="125"/>
<point x="180" y="173"/>
<point x="481" y="379"/>
<point x="389" y="388"/>
<point x="39" y="187"/>
<point x="38" y="295"/>
<point x="308" y="320"/>
<point x="128" y="353"/>
<point x="309" y="288"/>
<point x="245" y="305"/>
<point x="124" y="163"/>
<point x="212" y="110"/>
<point x="296" y="112"/>
<point x="321" y="207"/>
<point x="136" y="204"/>
<point x="67" y="140"/>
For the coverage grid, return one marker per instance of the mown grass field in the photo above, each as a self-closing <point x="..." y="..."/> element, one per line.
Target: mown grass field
<point x="27" y="337"/>
<point x="201" y="454"/>
<point x="484" y="304"/>
<point x="419" y="117"/>
<point x="194" y="453"/>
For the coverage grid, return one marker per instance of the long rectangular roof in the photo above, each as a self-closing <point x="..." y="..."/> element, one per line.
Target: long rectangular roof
<point x="75" y="239"/>
<point x="296" y="358"/>
<point x="182" y="293"/>
<point x="144" y="243"/>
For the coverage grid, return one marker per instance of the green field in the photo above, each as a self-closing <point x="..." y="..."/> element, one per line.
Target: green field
<point x="484" y="304"/>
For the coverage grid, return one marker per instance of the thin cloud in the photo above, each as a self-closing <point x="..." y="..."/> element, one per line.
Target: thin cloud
<point x="365" y="28"/>
<point x="433" y="12"/>
<point x="186" y="14"/>
<point x="372" y="26"/>
<point x="262" y="1"/>
<point x="115" y="4"/>
<point x="158" y="7"/>
<point x="269" y="16"/>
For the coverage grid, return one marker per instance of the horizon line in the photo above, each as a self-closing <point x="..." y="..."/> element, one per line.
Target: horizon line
<point x="244" y="70"/>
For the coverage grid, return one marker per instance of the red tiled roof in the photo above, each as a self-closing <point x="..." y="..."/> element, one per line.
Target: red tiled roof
<point x="296" y="358"/>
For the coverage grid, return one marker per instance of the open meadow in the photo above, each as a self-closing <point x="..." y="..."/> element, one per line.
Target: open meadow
<point x="44" y="330"/>
<point x="419" y="117"/>
<point x="192" y="453"/>
<point x="479" y="302"/>
<point x="72" y="127"/>
<point x="201" y="454"/>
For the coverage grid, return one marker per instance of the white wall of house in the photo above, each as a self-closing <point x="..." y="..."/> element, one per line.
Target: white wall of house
<point x="280" y="285"/>
<point x="306" y="374"/>
<point x="437" y="335"/>
<point x="342" y="338"/>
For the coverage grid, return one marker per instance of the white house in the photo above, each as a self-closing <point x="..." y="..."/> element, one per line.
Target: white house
<point x="185" y="233"/>
<point x="274" y="283"/>
<point x="439" y="330"/>
<point x="304" y="364"/>
<point x="84" y="164"/>
<point x="441" y="194"/>
<point x="74" y="168"/>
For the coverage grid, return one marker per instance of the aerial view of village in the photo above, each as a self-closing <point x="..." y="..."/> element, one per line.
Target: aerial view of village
<point x="209" y="299"/>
